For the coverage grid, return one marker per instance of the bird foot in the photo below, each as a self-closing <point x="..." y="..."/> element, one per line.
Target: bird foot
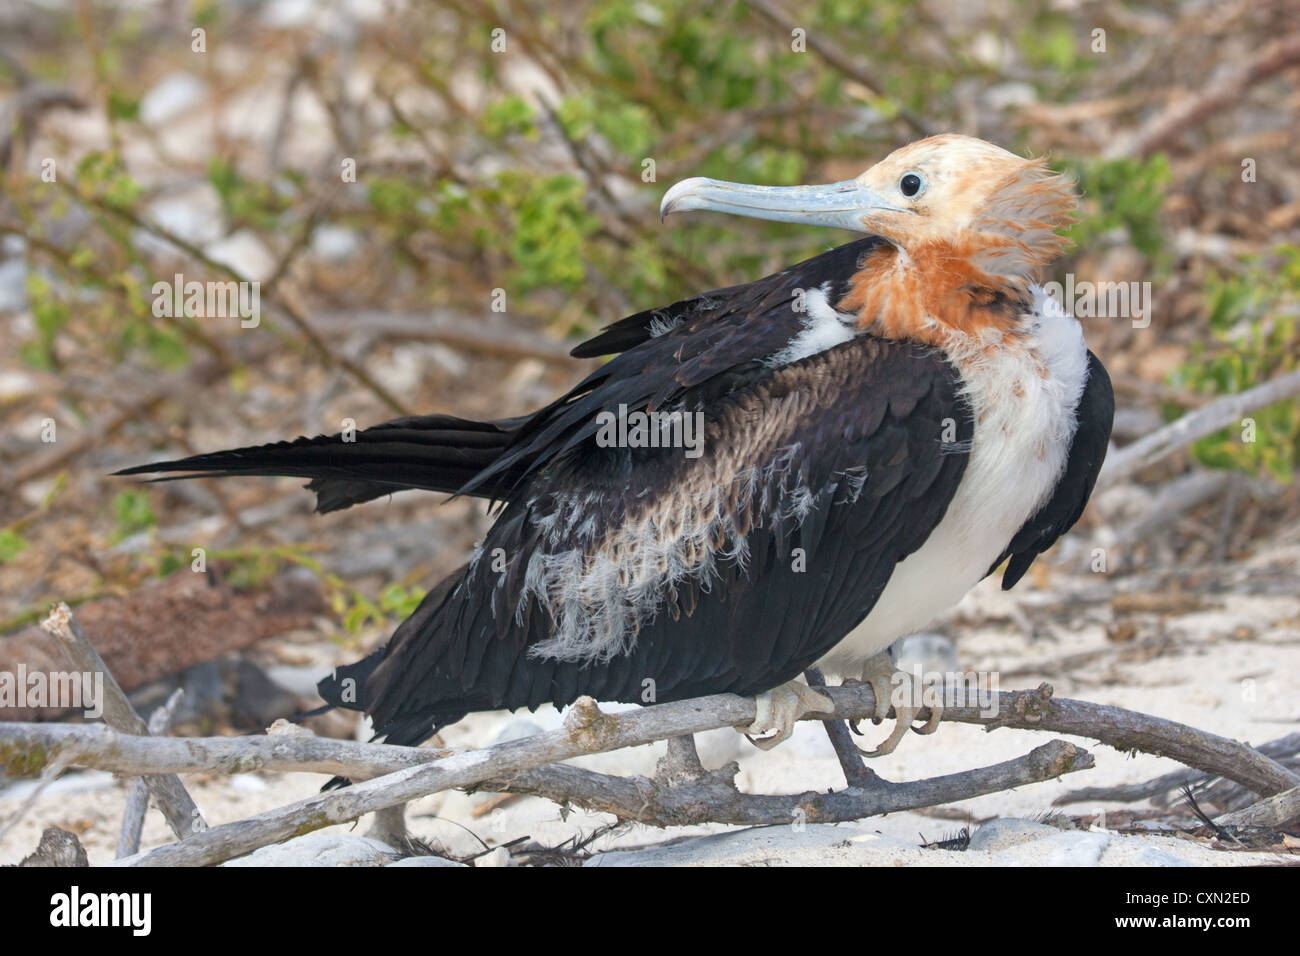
<point x="891" y="686"/>
<point x="780" y="708"/>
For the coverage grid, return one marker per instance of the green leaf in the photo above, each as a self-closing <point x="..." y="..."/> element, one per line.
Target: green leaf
<point x="510" y="116"/>
<point x="132" y="513"/>
<point x="11" y="545"/>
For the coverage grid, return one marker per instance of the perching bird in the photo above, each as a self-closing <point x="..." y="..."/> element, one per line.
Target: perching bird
<point x="883" y="425"/>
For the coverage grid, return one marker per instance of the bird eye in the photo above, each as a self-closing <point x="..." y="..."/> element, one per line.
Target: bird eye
<point x="910" y="184"/>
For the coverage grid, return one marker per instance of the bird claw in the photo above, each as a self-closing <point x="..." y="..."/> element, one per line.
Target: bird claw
<point x="780" y="708"/>
<point x="881" y="674"/>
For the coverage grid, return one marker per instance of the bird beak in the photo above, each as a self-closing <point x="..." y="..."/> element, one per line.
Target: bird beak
<point x="842" y="205"/>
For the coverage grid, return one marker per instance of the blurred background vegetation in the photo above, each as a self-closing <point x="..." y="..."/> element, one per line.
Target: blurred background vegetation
<point x="387" y="171"/>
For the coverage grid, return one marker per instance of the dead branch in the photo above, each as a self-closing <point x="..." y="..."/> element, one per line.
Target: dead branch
<point x="26" y="748"/>
<point x="182" y="815"/>
<point x="1275" y="812"/>
<point x="714" y="798"/>
<point x="458" y="331"/>
<point x="97" y="747"/>
<point x="1228" y="794"/>
<point x="586" y="731"/>
<point x="137" y="802"/>
<point x="67" y="451"/>
<point x="1283" y="747"/>
<point x="1221" y="413"/>
<point x="282" y="300"/>
<point x="1226" y="90"/>
<point x="1130" y="730"/>
<point x="839" y="60"/>
<point x="856" y="771"/>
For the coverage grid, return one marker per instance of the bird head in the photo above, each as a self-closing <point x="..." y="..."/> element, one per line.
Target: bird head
<point x="945" y="198"/>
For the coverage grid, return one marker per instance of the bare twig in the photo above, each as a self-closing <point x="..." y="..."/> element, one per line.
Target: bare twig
<point x="182" y="815"/>
<point x="49" y="773"/>
<point x="19" y="120"/>
<point x="1226" y="90"/>
<point x="856" y="772"/>
<point x="67" y="451"/>
<point x="829" y="51"/>
<point x="458" y="331"/>
<point x="1220" y="413"/>
<point x="281" y="300"/>
<point x="137" y="801"/>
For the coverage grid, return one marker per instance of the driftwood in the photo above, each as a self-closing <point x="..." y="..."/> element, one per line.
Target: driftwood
<point x="182" y="815"/>
<point x="689" y="795"/>
<point x="507" y="766"/>
<point x="1275" y="812"/>
<point x="99" y="748"/>
<point x="1283" y="747"/>
<point x="1221" y="413"/>
<point x="711" y="796"/>
<point x="586" y="730"/>
<point x="137" y="801"/>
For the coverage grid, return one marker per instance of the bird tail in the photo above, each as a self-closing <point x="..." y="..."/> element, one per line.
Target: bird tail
<point x="398" y="715"/>
<point x="431" y="452"/>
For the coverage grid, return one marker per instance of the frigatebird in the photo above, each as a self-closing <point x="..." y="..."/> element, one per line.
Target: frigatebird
<point x="882" y="426"/>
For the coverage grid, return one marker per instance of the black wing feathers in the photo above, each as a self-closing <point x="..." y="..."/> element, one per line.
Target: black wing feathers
<point x="433" y="452"/>
<point x="735" y="304"/>
<point x="812" y="572"/>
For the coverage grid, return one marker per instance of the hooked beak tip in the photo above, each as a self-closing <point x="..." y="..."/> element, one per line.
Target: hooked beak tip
<point x="676" y="193"/>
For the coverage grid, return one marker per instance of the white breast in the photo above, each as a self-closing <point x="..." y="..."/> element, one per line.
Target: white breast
<point x="1024" y="423"/>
